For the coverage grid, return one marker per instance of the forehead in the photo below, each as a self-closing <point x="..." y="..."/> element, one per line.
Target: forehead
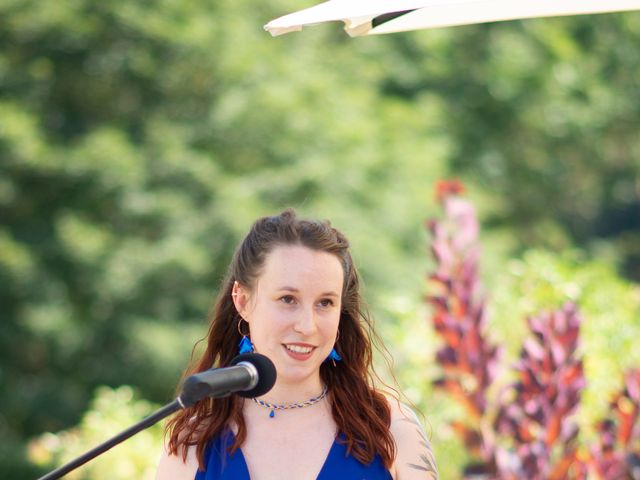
<point x="295" y="263"/>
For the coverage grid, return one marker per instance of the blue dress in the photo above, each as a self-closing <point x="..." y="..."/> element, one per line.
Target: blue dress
<point x="220" y="465"/>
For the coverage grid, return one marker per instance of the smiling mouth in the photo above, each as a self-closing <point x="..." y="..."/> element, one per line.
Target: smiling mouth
<point x="298" y="349"/>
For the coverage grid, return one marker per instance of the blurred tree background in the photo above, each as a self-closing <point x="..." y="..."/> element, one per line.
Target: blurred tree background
<point x="138" y="140"/>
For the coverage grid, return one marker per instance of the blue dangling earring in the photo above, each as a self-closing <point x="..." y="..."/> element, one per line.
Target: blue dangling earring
<point x="334" y="356"/>
<point x="245" y="344"/>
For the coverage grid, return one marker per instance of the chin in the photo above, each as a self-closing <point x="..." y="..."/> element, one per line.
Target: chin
<point x="296" y="374"/>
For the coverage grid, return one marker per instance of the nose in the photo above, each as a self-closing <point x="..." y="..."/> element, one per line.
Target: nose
<point x="305" y="323"/>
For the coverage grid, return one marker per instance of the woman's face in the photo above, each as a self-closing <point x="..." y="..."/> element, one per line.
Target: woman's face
<point x="293" y="310"/>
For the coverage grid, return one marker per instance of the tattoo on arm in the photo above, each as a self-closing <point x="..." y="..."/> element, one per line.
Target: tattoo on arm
<point x="427" y="461"/>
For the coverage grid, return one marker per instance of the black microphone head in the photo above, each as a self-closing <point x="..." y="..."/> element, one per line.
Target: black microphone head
<point x="266" y="373"/>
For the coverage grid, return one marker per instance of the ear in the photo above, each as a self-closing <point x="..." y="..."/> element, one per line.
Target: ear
<point x="240" y="297"/>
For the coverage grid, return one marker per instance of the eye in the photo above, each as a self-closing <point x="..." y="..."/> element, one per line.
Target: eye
<point x="288" y="299"/>
<point x="326" y="302"/>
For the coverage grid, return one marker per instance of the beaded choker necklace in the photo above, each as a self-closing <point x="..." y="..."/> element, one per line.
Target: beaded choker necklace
<point x="287" y="406"/>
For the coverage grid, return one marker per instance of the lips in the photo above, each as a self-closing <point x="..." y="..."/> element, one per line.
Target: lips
<point x="298" y="351"/>
<point x="298" y="348"/>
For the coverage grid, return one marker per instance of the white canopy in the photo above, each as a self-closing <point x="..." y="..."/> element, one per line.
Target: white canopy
<point x="369" y="17"/>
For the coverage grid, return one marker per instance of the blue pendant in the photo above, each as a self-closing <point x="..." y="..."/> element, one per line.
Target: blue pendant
<point x="272" y="414"/>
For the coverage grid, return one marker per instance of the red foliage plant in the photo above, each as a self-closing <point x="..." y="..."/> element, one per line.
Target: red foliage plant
<point x="535" y="411"/>
<point x="531" y="433"/>
<point x="616" y="454"/>
<point x="467" y="358"/>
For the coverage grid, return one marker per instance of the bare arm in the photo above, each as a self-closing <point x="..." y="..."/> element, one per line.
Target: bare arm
<point x="171" y="467"/>
<point x="414" y="457"/>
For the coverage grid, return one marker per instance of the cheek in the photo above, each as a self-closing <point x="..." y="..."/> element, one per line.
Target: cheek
<point x="268" y="323"/>
<point x="330" y="325"/>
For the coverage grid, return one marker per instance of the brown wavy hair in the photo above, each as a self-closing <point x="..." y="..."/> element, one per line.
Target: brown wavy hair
<point x="360" y="411"/>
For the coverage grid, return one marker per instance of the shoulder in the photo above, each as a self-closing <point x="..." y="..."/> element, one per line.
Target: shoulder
<point x="173" y="467"/>
<point x="414" y="455"/>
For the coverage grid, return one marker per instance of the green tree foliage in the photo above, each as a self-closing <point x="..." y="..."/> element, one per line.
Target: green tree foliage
<point x="545" y="113"/>
<point x="110" y="412"/>
<point x="139" y="139"/>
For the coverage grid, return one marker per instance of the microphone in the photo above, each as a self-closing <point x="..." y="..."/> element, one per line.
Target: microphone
<point x="250" y="375"/>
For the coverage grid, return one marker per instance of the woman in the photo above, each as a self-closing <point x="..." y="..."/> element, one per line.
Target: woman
<point x="292" y="294"/>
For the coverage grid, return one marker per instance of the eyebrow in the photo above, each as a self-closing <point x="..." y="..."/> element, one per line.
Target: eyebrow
<point x="295" y="290"/>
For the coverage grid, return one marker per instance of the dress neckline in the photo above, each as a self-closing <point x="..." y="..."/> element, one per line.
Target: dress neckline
<point x="332" y="452"/>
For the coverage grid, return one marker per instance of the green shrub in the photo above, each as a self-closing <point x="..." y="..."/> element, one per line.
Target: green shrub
<point x="111" y="411"/>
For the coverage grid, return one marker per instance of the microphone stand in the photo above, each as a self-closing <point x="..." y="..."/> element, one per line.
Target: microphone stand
<point x="155" y="417"/>
<point x="241" y="377"/>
